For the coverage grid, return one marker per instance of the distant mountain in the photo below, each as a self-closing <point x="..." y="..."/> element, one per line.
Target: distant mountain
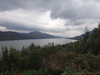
<point x="80" y="36"/>
<point x="10" y="36"/>
<point x="77" y="37"/>
<point x="40" y="35"/>
<point x="19" y="36"/>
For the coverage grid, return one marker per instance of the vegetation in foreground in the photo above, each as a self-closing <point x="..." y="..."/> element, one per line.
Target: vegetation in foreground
<point x="78" y="58"/>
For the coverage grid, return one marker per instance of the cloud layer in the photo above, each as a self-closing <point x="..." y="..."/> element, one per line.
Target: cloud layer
<point x="57" y="17"/>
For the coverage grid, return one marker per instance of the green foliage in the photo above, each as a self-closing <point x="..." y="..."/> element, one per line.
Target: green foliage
<point x="35" y="72"/>
<point x="64" y="73"/>
<point x="5" y="59"/>
<point x="97" y="73"/>
<point x="90" y="43"/>
<point x="73" y="63"/>
<point x="77" y="58"/>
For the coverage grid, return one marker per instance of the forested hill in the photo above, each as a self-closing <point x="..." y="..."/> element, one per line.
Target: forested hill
<point x="89" y="43"/>
<point x="17" y="36"/>
<point x="80" y="36"/>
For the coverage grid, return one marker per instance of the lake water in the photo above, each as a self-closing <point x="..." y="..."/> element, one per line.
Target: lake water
<point x="18" y="44"/>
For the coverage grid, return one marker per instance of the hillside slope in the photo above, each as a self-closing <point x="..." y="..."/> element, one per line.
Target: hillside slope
<point x="19" y="36"/>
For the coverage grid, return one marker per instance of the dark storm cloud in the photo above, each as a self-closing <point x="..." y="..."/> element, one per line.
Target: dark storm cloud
<point x="75" y="12"/>
<point x="6" y="5"/>
<point x="66" y="9"/>
<point x="16" y="26"/>
<point x="76" y="9"/>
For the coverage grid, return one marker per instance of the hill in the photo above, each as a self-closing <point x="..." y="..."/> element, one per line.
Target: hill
<point x="40" y="35"/>
<point x="19" y="36"/>
<point x="77" y="37"/>
<point x="80" y="36"/>
<point x="89" y="43"/>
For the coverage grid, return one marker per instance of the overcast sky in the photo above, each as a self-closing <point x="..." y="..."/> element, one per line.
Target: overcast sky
<point x="58" y="17"/>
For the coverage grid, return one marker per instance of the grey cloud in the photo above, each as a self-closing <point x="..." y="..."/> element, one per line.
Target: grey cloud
<point x="16" y="26"/>
<point x="77" y="11"/>
<point x="74" y="10"/>
<point x="66" y="9"/>
<point x="6" y="5"/>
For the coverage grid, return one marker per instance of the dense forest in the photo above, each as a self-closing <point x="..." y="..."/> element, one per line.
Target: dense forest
<point x="76" y="58"/>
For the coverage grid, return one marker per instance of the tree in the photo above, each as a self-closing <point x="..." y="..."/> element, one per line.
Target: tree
<point x="86" y="34"/>
<point x="5" y="59"/>
<point x="99" y="25"/>
<point x="13" y="59"/>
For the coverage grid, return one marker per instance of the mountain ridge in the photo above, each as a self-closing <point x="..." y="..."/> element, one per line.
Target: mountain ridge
<point x="10" y="35"/>
<point x="80" y="36"/>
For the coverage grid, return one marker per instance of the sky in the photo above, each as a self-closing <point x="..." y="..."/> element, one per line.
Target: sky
<point x="66" y="18"/>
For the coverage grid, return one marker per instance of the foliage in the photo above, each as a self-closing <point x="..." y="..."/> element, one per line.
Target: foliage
<point x="73" y="63"/>
<point x="35" y="72"/>
<point x="77" y="58"/>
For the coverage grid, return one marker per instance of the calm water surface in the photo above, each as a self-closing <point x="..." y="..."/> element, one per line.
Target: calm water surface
<point x="18" y="44"/>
